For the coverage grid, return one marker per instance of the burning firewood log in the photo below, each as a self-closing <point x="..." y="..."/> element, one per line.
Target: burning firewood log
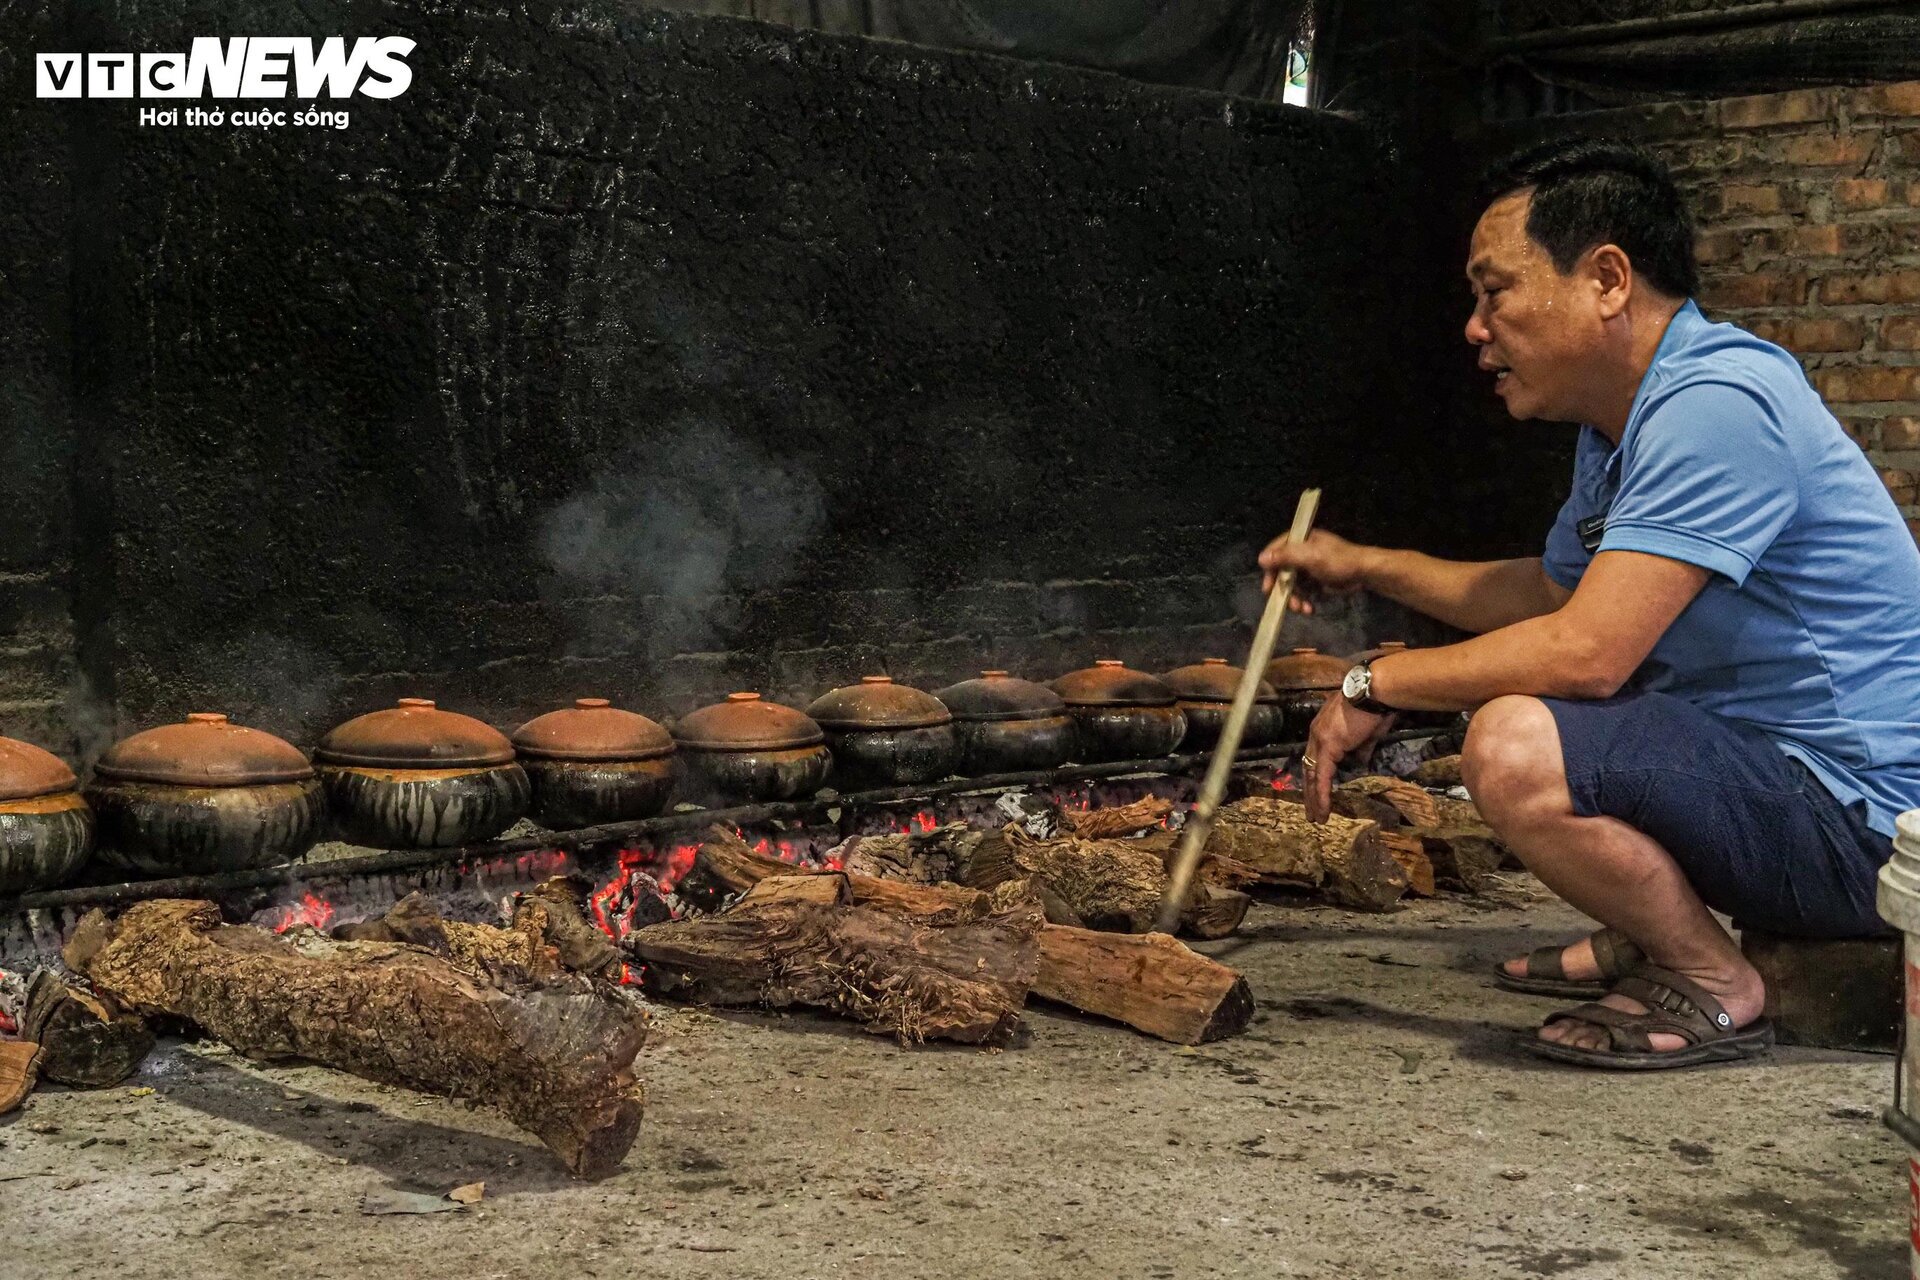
<point x="1344" y="854"/>
<point x="555" y="1058"/>
<point x="503" y="957"/>
<point x="555" y="910"/>
<point x="1158" y="987"/>
<point x="798" y="940"/>
<point x="923" y="857"/>
<point x="1116" y="820"/>
<point x="1108" y="884"/>
<point x="725" y="868"/>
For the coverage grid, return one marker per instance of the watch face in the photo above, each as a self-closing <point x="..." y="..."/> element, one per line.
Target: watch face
<point x="1356" y="683"/>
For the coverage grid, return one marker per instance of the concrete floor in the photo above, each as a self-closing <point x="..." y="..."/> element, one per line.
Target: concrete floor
<point x="1374" y="1122"/>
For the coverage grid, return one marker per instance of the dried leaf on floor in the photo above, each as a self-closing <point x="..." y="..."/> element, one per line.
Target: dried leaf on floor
<point x="388" y="1202"/>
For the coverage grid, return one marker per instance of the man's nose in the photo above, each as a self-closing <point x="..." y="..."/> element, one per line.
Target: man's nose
<point x="1477" y="332"/>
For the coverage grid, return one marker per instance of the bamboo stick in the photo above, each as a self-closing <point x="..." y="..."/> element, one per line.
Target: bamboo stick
<point x="1193" y="836"/>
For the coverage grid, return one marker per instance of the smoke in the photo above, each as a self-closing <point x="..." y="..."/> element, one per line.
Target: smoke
<point x="275" y="682"/>
<point x="91" y="720"/>
<point x="667" y="539"/>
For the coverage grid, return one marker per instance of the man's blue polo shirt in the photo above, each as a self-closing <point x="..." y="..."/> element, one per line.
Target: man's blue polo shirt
<point x="1809" y="627"/>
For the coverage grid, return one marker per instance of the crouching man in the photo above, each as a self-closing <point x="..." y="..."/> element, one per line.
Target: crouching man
<point x="1706" y="693"/>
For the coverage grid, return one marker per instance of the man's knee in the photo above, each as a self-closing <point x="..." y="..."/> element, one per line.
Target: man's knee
<point x="1512" y="755"/>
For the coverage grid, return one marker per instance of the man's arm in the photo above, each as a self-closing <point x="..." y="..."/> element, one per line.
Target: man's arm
<point x="1587" y="648"/>
<point x="1476" y="596"/>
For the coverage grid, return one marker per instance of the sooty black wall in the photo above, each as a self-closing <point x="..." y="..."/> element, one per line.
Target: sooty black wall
<point x="655" y="356"/>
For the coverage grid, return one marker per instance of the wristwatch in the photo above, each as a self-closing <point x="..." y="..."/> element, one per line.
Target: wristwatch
<point x="1358" y="689"/>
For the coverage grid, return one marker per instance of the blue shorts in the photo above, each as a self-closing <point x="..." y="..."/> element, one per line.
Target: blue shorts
<point x="1757" y="834"/>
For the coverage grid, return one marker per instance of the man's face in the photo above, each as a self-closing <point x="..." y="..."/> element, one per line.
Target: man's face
<point x="1537" y="330"/>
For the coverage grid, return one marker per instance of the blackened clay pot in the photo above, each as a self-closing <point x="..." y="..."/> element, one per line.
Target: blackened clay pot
<point x="1007" y="725"/>
<point x="884" y="734"/>
<point x="415" y="777"/>
<point x="1206" y="691"/>
<point x="592" y="763"/>
<point x="203" y="797"/>
<point x="1120" y="714"/>
<point x="46" y="828"/>
<point x="749" y="749"/>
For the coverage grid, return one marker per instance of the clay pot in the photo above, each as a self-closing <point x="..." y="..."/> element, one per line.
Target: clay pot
<point x="747" y="749"/>
<point x="884" y="734"/>
<point x="592" y="763"/>
<point x="1303" y="679"/>
<point x="1007" y="725"/>
<point x="46" y="828"/>
<point x="204" y="797"/>
<point x="416" y="777"/>
<point x="1206" y="691"/>
<point x="1119" y="714"/>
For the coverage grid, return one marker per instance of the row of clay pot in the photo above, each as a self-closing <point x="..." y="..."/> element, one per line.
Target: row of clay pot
<point x="207" y="796"/>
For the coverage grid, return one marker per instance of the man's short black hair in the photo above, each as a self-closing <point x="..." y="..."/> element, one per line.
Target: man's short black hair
<point x="1595" y="191"/>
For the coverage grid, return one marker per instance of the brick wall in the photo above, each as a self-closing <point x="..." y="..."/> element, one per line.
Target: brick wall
<point x="1809" y="211"/>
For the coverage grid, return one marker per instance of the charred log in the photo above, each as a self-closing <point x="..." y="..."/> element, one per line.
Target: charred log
<point x="922" y="857"/>
<point x="85" y="1042"/>
<point x="1109" y="884"/>
<point x="555" y="1059"/>
<point x="890" y="973"/>
<point x="555" y="911"/>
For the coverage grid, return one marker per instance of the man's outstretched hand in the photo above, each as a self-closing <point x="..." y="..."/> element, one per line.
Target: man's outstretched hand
<point x="1325" y="564"/>
<point x="1338" y="731"/>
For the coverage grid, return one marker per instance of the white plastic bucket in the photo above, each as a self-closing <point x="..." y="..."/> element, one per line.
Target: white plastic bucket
<point x="1899" y="903"/>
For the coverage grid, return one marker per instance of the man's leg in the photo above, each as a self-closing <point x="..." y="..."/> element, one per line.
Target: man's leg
<point x="1513" y="766"/>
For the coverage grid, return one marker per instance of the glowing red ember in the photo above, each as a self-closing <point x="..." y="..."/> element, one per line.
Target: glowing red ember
<point x="311" y="909"/>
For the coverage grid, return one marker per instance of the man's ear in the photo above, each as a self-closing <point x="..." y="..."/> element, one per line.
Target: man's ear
<point x="1612" y="272"/>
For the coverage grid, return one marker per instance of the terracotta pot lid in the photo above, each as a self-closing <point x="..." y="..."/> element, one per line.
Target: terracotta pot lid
<point x="592" y="730"/>
<point x="1307" y="668"/>
<point x="27" y="771"/>
<point x="996" y="695"/>
<point x="1111" y="683"/>
<point x="878" y="703"/>
<point x="1380" y="650"/>
<point x="415" y="734"/>
<point x="746" y="722"/>
<point x="203" y="751"/>
<point x="1212" y="680"/>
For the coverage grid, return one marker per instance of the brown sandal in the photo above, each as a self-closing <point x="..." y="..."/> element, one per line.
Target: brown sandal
<point x="1546" y="975"/>
<point x="1676" y="1005"/>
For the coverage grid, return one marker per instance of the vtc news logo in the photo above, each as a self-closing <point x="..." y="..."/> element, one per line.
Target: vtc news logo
<point x="242" y="67"/>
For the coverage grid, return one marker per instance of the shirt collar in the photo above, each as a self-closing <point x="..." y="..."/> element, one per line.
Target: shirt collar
<point x="1686" y="322"/>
